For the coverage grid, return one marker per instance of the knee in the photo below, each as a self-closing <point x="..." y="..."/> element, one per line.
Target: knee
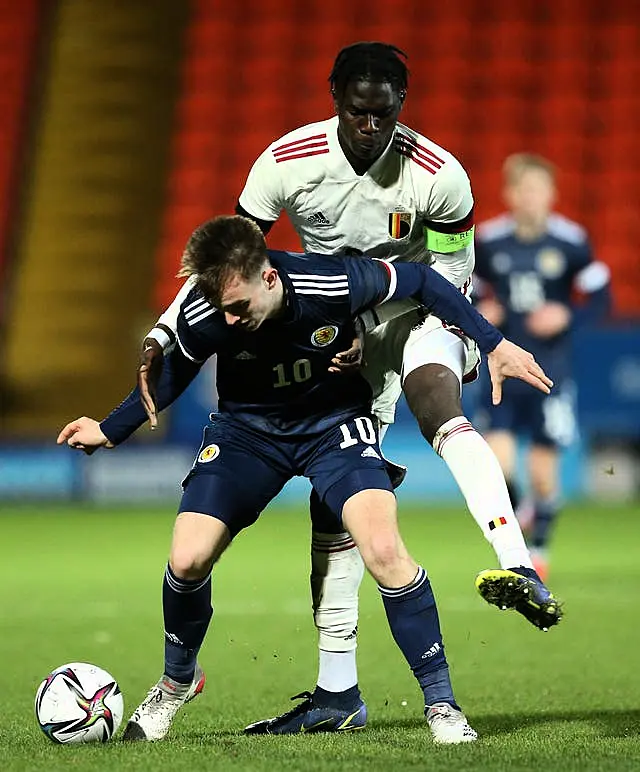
<point x="433" y="395"/>
<point x="381" y="556"/>
<point x="187" y="563"/>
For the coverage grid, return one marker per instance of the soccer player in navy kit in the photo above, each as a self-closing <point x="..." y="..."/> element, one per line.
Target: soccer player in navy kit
<point x="529" y="262"/>
<point x="276" y="321"/>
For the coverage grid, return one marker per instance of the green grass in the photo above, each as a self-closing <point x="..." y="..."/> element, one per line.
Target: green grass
<point x="83" y="584"/>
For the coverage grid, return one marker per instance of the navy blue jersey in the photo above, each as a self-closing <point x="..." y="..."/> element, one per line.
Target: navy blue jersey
<point x="276" y="377"/>
<point x="525" y="275"/>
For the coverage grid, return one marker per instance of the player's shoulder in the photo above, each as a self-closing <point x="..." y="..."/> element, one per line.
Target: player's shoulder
<point x="307" y="264"/>
<point x="306" y="142"/>
<point x="496" y="228"/>
<point x="314" y="277"/>
<point x="569" y="231"/>
<point x="426" y="156"/>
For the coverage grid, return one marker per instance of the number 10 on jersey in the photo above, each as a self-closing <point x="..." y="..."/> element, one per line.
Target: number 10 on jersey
<point x="300" y="372"/>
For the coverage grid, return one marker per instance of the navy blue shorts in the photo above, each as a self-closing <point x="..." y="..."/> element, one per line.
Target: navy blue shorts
<point x="239" y="470"/>
<point x="547" y="420"/>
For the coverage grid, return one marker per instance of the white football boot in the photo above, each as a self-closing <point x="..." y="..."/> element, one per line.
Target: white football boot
<point x="152" y="719"/>
<point x="448" y="725"/>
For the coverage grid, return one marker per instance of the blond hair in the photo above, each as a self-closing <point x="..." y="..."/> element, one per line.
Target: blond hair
<point x="517" y="164"/>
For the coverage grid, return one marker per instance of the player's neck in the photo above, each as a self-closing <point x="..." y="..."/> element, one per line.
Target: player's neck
<point x="359" y="166"/>
<point x="529" y="229"/>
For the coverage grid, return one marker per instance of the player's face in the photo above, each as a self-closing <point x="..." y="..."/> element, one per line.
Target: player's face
<point x="246" y="303"/>
<point x="367" y="114"/>
<point x="532" y="195"/>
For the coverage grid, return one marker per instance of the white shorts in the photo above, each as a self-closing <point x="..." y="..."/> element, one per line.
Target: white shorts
<point x="402" y="345"/>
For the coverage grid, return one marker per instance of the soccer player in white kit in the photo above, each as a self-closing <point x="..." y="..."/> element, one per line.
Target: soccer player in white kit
<point x="361" y="182"/>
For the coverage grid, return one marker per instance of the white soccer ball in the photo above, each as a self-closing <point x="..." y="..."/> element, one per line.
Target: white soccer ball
<point x="79" y="703"/>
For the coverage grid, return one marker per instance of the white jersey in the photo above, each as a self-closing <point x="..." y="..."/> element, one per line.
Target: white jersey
<point x="416" y="194"/>
<point x="414" y="203"/>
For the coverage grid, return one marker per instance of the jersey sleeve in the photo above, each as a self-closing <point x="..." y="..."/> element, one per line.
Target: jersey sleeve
<point x="369" y="282"/>
<point x="164" y="330"/>
<point x="196" y="332"/>
<point x="589" y="275"/>
<point x="124" y="420"/>
<point x="263" y="194"/>
<point x="483" y="260"/>
<point x="378" y="281"/>
<point x="448" y="223"/>
<point x="591" y="278"/>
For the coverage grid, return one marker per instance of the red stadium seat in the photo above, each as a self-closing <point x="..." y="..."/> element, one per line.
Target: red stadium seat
<point x="487" y="80"/>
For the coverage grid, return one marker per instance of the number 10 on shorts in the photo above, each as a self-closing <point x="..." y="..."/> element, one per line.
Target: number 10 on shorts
<point x="365" y="429"/>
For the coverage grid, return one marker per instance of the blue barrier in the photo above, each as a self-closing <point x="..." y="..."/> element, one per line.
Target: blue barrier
<point x="39" y="473"/>
<point x="607" y="371"/>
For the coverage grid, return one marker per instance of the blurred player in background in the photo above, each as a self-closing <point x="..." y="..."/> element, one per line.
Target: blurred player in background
<point x="363" y="183"/>
<point x="530" y="262"/>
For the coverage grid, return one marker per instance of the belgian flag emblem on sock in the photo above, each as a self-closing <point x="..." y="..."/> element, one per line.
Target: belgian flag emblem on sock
<point x="493" y="524"/>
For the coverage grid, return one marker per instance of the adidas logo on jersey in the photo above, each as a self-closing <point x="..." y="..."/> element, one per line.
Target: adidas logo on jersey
<point x="370" y="453"/>
<point x="317" y="218"/>
<point x="244" y="355"/>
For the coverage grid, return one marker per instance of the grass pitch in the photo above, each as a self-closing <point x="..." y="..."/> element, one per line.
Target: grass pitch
<point x="84" y="584"/>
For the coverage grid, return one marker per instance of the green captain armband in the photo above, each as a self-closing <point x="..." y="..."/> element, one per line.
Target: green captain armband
<point x="445" y="243"/>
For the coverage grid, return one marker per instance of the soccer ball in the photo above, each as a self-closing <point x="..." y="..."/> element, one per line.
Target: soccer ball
<point x="79" y="703"/>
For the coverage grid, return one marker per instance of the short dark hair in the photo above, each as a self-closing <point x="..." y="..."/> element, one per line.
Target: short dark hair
<point x="225" y="245"/>
<point x="378" y="62"/>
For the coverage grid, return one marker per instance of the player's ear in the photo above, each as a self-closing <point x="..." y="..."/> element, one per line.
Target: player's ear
<point x="402" y="95"/>
<point x="270" y="277"/>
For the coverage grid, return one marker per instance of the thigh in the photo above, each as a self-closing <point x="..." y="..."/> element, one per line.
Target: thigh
<point x="432" y="344"/>
<point x="382" y="356"/>
<point x="234" y="476"/>
<point x="497" y="418"/>
<point x="345" y="461"/>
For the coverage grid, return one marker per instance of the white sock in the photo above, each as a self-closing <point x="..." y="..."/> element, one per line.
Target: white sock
<point x="337" y="670"/>
<point x="336" y="572"/>
<point x="480" y="478"/>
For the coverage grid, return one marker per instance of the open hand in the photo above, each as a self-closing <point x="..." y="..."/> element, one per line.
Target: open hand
<point x="84" y="434"/>
<point x="510" y="361"/>
<point x="149" y="372"/>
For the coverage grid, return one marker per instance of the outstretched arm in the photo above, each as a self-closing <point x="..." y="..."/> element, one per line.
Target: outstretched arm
<point x="378" y="281"/>
<point x="177" y="373"/>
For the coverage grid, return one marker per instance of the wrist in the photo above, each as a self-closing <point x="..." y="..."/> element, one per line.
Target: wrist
<point x="110" y="443"/>
<point x="496" y="339"/>
<point x="163" y="335"/>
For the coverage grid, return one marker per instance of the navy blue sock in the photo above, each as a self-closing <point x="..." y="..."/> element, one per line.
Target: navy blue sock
<point x="414" y="623"/>
<point x="186" y="606"/>
<point x="546" y="512"/>
<point x="345" y="700"/>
